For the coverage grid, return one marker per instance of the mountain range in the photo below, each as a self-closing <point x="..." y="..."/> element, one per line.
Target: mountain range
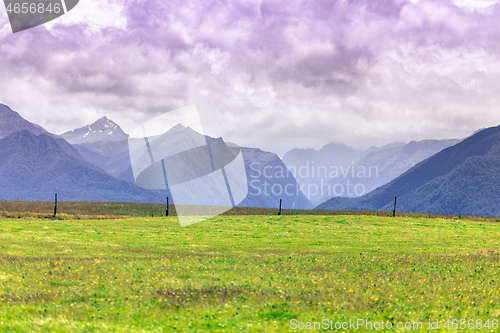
<point x="430" y="176"/>
<point x="339" y="170"/>
<point x="114" y="158"/>
<point x="34" y="167"/>
<point x="92" y="163"/>
<point x="461" y="179"/>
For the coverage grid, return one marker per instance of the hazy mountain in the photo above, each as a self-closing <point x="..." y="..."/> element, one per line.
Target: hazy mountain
<point x="111" y="156"/>
<point x="114" y="158"/>
<point x="346" y="172"/>
<point x="394" y="161"/>
<point x="464" y="178"/>
<point x="265" y="189"/>
<point x="331" y="154"/>
<point x="269" y="181"/>
<point x="103" y="129"/>
<point x="11" y="122"/>
<point x="382" y="165"/>
<point x="35" y="167"/>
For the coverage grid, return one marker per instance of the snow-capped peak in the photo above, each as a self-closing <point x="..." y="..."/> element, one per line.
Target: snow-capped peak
<point x="103" y="129"/>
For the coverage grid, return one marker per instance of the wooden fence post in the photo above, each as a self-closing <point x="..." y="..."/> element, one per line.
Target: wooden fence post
<point x="55" y="205"/>
<point x="394" y="211"/>
<point x="166" y="213"/>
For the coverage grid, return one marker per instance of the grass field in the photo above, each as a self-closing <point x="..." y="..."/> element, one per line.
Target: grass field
<point x="78" y="210"/>
<point x="245" y="273"/>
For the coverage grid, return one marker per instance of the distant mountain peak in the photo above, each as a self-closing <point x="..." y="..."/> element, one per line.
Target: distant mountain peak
<point x="103" y="123"/>
<point x="101" y="120"/>
<point x="178" y="127"/>
<point x="103" y="129"/>
<point x="336" y="145"/>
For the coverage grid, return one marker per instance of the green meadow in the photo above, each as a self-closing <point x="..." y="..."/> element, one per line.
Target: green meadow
<point x="246" y="273"/>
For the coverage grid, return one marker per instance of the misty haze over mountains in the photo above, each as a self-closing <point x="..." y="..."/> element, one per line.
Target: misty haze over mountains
<point x="338" y="170"/>
<point x="461" y="179"/>
<point x="92" y="163"/>
<point x="97" y="166"/>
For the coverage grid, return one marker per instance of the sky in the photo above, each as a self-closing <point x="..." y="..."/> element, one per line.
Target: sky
<point x="270" y="74"/>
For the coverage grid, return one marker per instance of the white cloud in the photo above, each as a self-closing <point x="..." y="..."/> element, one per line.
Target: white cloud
<point x="270" y="76"/>
<point x="475" y="4"/>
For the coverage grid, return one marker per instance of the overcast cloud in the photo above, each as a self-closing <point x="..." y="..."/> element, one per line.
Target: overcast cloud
<point x="269" y="74"/>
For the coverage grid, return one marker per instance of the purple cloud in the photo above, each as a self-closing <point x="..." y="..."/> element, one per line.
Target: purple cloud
<point x="270" y="73"/>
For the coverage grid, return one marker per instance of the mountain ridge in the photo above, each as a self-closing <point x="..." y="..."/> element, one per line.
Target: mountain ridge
<point x="114" y="158"/>
<point x="347" y="168"/>
<point x="437" y="184"/>
<point x="35" y="167"/>
<point x="11" y="122"/>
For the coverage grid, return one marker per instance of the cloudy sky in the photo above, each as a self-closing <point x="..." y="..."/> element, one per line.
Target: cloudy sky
<point x="269" y="74"/>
